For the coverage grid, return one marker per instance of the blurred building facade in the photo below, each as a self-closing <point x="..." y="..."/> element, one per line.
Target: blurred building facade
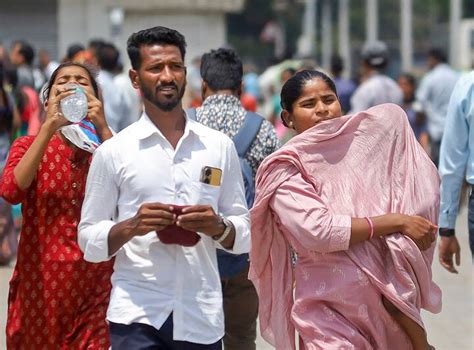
<point x="55" y="24"/>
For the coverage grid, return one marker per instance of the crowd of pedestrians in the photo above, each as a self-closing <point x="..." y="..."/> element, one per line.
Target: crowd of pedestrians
<point x="145" y="239"/>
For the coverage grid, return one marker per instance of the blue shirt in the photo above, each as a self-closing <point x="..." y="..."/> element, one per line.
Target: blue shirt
<point x="434" y="92"/>
<point x="345" y="88"/>
<point x="457" y="149"/>
<point x="251" y="84"/>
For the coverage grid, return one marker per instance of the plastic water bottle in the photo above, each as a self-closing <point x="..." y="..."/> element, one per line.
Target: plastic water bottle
<point x="74" y="107"/>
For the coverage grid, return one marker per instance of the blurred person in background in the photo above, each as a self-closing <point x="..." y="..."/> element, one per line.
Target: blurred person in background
<point x="456" y="164"/>
<point x="249" y="102"/>
<point x="414" y="109"/>
<point x="4" y="56"/>
<point x="345" y="87"/>
<point x="56" y="299"/>
<point x="433" y="93"/>
<point x="72" y="52"/>
<point x="375" y="87"/>
<point x="9" y="122"/>
<point x="133" y="99"/>
<point x="47" y="65"/>
<point x="250" y="80"/>
<point x="22" y="56"/>
<point x="27" y="102"/>
<point x="194" y="80"/>
<point x="250" y="88"/>
<point x="269" y="81"/>
<point x="221" y="72"/>
<point x="118" y="113"/>
<point x="93" y="48"/>
<point x="283" y="133"/>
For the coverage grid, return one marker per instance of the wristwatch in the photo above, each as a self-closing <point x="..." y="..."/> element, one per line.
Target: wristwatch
<point x="228" y="227"/>
<point x="446" y="232"/>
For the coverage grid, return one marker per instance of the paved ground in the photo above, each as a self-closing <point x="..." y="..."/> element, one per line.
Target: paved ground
<point x="452" y="329"/>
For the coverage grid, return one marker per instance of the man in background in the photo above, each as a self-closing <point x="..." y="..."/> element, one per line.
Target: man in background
<point x="221" y="72"/>
<point x="376" y="87"/>
<point x="434" y="92"/>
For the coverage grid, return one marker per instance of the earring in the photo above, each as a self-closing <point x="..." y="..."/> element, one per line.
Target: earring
<point x="290" y="124"/>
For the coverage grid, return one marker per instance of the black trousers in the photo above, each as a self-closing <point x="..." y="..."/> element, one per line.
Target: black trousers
<point x="139" y="336"/>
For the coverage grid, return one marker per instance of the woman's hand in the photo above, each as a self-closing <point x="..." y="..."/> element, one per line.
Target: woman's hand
<point x="95" y="113"/>
<point x="54" y="117"/>
<point x="420" y="230"/>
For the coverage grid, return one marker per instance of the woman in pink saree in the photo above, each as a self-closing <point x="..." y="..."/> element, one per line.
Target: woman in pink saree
<point x="356" y="198"/>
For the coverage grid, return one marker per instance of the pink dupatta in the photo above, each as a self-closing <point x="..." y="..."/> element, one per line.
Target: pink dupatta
<point x="372" y="165"/>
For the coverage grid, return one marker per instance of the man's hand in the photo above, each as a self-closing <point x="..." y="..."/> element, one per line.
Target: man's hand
<point x="150" y="217"/>
<point x="201" y="218"/>
<point x="449" y="247"/>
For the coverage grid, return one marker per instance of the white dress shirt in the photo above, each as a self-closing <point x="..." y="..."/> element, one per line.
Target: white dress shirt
<point x="152" y="279"/>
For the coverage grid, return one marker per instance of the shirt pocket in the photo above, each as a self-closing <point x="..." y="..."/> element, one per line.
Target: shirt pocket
<point x="202" y="193"/>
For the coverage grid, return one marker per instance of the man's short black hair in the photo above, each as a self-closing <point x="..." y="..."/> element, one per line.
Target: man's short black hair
<point x="27" y="51"/>
<point x="94" y="44"/>
<point x="222" y="69"/>
<point x="337" y="65"/>
<point x="153" y="36"/>
<point x="73" y="50"/>
<point x="438" y="54"/>
<point x="107" y="57"/>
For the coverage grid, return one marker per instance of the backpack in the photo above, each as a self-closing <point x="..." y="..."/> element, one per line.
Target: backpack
<point x="242" y="141"/>
<point x="231" y="264"/>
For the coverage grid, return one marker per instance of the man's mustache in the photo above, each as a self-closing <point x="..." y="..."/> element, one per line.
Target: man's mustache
<point x="162" y="86"/>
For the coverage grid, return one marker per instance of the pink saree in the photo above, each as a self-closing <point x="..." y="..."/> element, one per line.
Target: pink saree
<point x="367" y="164"/>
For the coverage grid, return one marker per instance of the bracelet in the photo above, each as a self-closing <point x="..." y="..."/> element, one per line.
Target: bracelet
<point x="228" y="228"/>
<point x="371" y="225"/>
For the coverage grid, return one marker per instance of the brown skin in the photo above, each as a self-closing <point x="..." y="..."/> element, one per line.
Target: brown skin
<point x="26" y="169"/>
<point x="43" y="58"/>
<point x="206" y="91"/>
<point x="16" y="58"/>
<point x="408" y="90"/>
<point x="161" y="78"/>
<point x="365" y="71"/>
<point x="449" y="251"/>
<point x="316" y="104"/>
<point x="432" y="62"/>
<point x="319" y="103"/>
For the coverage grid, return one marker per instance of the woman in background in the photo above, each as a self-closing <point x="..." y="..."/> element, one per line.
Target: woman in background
<point x="10" y="122"/>
<point x="413" y="109"/>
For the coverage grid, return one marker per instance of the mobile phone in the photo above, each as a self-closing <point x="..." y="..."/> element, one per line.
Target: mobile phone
<point x="211" y="176"/>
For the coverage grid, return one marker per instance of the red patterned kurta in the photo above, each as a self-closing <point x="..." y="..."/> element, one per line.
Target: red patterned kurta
<point x="56" y="300"/>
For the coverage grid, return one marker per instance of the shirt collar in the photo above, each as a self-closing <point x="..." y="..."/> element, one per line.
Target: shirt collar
<point x="220" y="99"/>
<point x="144" y="128"/>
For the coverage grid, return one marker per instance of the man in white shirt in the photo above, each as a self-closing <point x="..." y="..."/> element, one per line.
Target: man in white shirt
<point x="164" y="296"/>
